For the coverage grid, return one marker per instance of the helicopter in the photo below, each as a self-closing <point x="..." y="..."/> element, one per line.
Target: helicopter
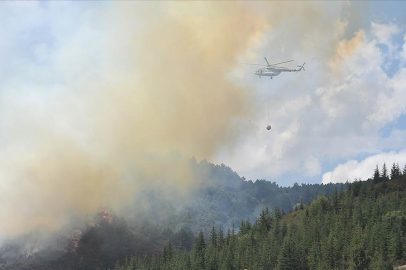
<point x="274" y="69"/>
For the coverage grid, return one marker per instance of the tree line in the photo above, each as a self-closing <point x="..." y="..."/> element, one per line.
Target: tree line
<point x="362" y="226"/>
<point x="384" y="175"/>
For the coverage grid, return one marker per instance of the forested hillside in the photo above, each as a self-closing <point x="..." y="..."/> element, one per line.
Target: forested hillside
<point x="221" y="199"/>
<point x="363" y="227"/>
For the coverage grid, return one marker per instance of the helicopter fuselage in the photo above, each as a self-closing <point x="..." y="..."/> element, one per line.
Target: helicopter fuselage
<point x="274" y="70"/>
<point x="267" y="72"/>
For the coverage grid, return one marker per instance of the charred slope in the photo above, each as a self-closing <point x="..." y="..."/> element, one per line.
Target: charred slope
<point x="100" y="246"/>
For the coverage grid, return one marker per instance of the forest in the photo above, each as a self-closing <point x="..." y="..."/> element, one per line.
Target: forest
<point x="361" y="227"/>
<point x="232" y="223"/>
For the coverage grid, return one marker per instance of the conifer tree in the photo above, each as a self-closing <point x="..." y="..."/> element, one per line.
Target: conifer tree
<point x="213" y="237"/>
<point x="198" y="251"/>
<point x="242" y="229"/>
<point x="228" y="237"/>
<point x="200" y="244"/>
<point x="220" y="235"/>
<point x="393" y="171"/>
<point x="398" y="171"/>
<point x="335" y="200"/>
<point x="211" y="251"/>
<point x="301" y="206"/>
<point x="277" y="213"/>
<point x="377" y="176"/>
<point x="265" y="221"/>
<point x="166" y="255"/>
<point x="384" y="172"/>
<point x="288" y="258"/>
<point x="247" y="226"/>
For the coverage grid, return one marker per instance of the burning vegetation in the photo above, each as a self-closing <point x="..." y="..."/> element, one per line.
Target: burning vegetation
<point x="73" y="243"/>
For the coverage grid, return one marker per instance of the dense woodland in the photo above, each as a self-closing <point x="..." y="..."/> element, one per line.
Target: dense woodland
<point x="220" y="198"/>
<point x="223" y="198"/>
<point x="362" y="227"/>
<point x="231" y="223"/>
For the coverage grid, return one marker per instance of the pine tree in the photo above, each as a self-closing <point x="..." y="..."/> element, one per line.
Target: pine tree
<point x="165" y="254"/>
<point x="213" y="237"/>
<point x="377" y="176"/>
<point x="277" y="213"/>
<point x="168" y="252"/>
<point x="335" y="200"/>
<point x="398" y="171"/>
<point x="198" y="251"/>
<point x="265" y="221"/>
<point x="288" y="258"/>
<point x="242" y="229"/>
<point x="220" y="235"/>
<point x="393" y="171"/>
<point x="200" y="244"/>
<point x="228" y="237"/>
<point x="211" y="251"/>
<point x="384" y="172"/>
<point x="247" y="226"/>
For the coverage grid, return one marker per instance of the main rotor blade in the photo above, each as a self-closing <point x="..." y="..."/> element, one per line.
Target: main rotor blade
<point x="282" y="62"/>
<point x="254" y="64"/>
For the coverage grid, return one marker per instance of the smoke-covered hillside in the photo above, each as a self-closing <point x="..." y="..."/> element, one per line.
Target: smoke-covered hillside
<point x="362" y="227"/>
<point x="223" y="198"/>
<point x="220" y="198"/>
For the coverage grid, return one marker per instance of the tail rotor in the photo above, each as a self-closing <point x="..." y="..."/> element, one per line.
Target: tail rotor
<point x="302" y="67"/>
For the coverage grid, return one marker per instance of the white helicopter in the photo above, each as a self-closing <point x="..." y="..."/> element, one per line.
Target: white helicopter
<point x="274" y="70"/>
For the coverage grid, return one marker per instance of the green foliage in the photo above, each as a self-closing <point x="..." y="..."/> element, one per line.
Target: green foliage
<point x="359" y="225"/>
<point x="222" y="198"/>
<point x="363" y="227"/>
<point x="384" y="174"/>
<point x="377" y="176"/>
<point x="395" y="171"/>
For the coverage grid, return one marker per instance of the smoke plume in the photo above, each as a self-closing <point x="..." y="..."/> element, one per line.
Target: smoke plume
<point x="96" y="121"/>
<point x="109" y="99"/>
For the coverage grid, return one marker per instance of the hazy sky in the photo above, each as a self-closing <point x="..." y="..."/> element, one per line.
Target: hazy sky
<point x="345" y="113"/>
<point x="107" y="78"/>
